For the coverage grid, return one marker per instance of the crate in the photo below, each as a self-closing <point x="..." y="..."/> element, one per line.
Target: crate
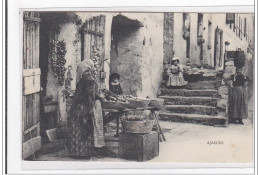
<point x="138" y="147"/>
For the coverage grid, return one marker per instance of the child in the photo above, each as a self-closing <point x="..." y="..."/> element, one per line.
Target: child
<point x="175" y="74"/>
<point x="114" y="85"/>
<point x="237" y="97"/>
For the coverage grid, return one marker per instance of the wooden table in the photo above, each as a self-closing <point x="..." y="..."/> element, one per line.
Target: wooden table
<point x="111" y="114"/>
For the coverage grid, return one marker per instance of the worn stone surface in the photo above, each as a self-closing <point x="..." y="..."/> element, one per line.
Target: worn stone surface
<point x="194" y="118"/>
<point x="187" y="92"/>
<point x="223" y="90"/>
<point x="179" y="100"/>
<point x="130" y="54"/>
<point x="192" y="109"/>
<point x="222" y="104"/>
<point x="168" y="37"/>
<point x="204" y="85"/>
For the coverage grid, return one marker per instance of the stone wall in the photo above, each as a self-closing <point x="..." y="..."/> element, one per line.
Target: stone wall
<point x="141" y="53"/>
<point x="69" y="34"/>
<point x="179" y="41"/>
<point x="168" y="32"/>
<point x="127" y="61"/>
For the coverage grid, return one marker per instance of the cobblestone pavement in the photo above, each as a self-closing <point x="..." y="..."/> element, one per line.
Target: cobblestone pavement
<point x="190" y="143"/>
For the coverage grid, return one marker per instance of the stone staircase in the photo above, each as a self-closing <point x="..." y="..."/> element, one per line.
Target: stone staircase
<point x="194" y="104"/>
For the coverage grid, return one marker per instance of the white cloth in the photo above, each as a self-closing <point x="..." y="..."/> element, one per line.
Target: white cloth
<point x="99" y="140"/>
<point x="176" y="80"/>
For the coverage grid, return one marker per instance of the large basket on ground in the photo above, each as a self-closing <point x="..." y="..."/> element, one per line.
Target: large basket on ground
<point x="138" y="103"/>
<point x="137" y="127"/>
<point x="157" y="103"/>
<point x="113" y="105"/>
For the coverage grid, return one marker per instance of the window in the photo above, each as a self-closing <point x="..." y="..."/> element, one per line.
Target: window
<point x="209" y="34"/>
<point x="245" y="27"/>
<point x="240" y="28"/>
<point x="237" y="25"/>
<point x="230" y="18"/>
<point x="200" y="25"/>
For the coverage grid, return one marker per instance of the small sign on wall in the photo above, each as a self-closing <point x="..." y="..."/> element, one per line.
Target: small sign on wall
<point x="31" y="81"/>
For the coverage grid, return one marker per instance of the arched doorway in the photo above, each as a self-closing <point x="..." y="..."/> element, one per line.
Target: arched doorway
<point x="126" y="52"/>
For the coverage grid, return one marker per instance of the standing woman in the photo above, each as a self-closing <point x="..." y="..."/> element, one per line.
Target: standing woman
<point x="237" y="97"/>
<point x="85" y="130"/>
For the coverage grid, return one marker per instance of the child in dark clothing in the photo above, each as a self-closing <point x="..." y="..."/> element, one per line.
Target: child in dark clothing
<point x="114" y="84"/>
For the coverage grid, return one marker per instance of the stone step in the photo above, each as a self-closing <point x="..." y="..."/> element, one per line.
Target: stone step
<point x="187" y="92"/>
<point x="194" y="118"/>
<point x="203" y="85"/>
<point x="192" y="109"/>
<point x="181" y="100"/>
<point x="209" y="77"/>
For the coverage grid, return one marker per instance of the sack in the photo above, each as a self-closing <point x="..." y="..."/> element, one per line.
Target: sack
<point x="239" y="59"/>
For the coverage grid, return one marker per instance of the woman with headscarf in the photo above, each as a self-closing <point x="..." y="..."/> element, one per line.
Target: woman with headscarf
<point x="85" y="123"/>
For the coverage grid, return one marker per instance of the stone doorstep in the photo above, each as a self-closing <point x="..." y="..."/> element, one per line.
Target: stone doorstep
<point x="194" y="118"/>
<point x="192" y="109"/>
<point x="181" y="100"/>
<point x="209" y="76"/>
<point x="187" y="92"/>
<point x="201" y="85"/>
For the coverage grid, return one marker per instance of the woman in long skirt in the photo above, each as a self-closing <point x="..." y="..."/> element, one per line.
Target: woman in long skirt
<point x="85" y="123"/>
<point x="237" y="97"/>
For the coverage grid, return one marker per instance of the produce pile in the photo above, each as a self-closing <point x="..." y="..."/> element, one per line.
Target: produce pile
<point x="95" y="58"/>
<point x="110" y="96"/>
<point x="188" y="70"/>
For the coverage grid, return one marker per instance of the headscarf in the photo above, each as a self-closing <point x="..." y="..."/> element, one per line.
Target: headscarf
<point x="175" y="59"/>
<point x="85" y="67"/>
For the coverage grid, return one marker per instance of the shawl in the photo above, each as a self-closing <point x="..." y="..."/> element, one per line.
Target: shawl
<point x="85" y="65"/>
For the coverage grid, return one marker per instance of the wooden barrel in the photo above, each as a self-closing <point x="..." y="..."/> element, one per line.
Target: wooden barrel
<point x="239" y="59"/>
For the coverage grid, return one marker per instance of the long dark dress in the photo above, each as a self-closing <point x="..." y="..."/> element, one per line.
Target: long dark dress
<point x="80" y="121"/>
<point x="237" y="97"/>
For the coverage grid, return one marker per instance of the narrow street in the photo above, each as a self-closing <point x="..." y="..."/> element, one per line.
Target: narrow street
<point x="189" y="143"/>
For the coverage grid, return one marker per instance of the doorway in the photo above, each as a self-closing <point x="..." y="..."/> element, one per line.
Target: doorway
<point x="126" y="52"/>
<point x="218" y="48"/>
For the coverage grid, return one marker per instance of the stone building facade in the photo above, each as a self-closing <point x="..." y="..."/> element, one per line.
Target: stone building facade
<point x="203" y="38"/>
<point x="133" y="47"/>
<point x="137" y="45"/>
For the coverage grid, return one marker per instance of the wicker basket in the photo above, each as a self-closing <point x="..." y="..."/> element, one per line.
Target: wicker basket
<point x="157" y="103"/>
<point x="140" y="127"/>
<point x="113" y="105"/>
<point x="139" y="103"/>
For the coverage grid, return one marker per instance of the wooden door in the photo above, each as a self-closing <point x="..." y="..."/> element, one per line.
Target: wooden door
<point x="31" y="85"/>
<point x="94" y="31"/>
<point x="216" y="48"/>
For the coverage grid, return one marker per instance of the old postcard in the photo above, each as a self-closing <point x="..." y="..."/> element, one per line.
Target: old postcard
<point x="143" y="87"/>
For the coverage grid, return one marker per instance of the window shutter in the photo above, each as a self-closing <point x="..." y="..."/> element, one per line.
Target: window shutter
<point x="230" y="18"/>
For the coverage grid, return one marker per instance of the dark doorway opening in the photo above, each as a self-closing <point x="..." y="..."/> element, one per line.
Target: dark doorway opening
<point x="125" y="50"/>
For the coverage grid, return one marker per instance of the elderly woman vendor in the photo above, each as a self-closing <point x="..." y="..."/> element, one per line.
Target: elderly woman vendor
<point x="85" y="123"/>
